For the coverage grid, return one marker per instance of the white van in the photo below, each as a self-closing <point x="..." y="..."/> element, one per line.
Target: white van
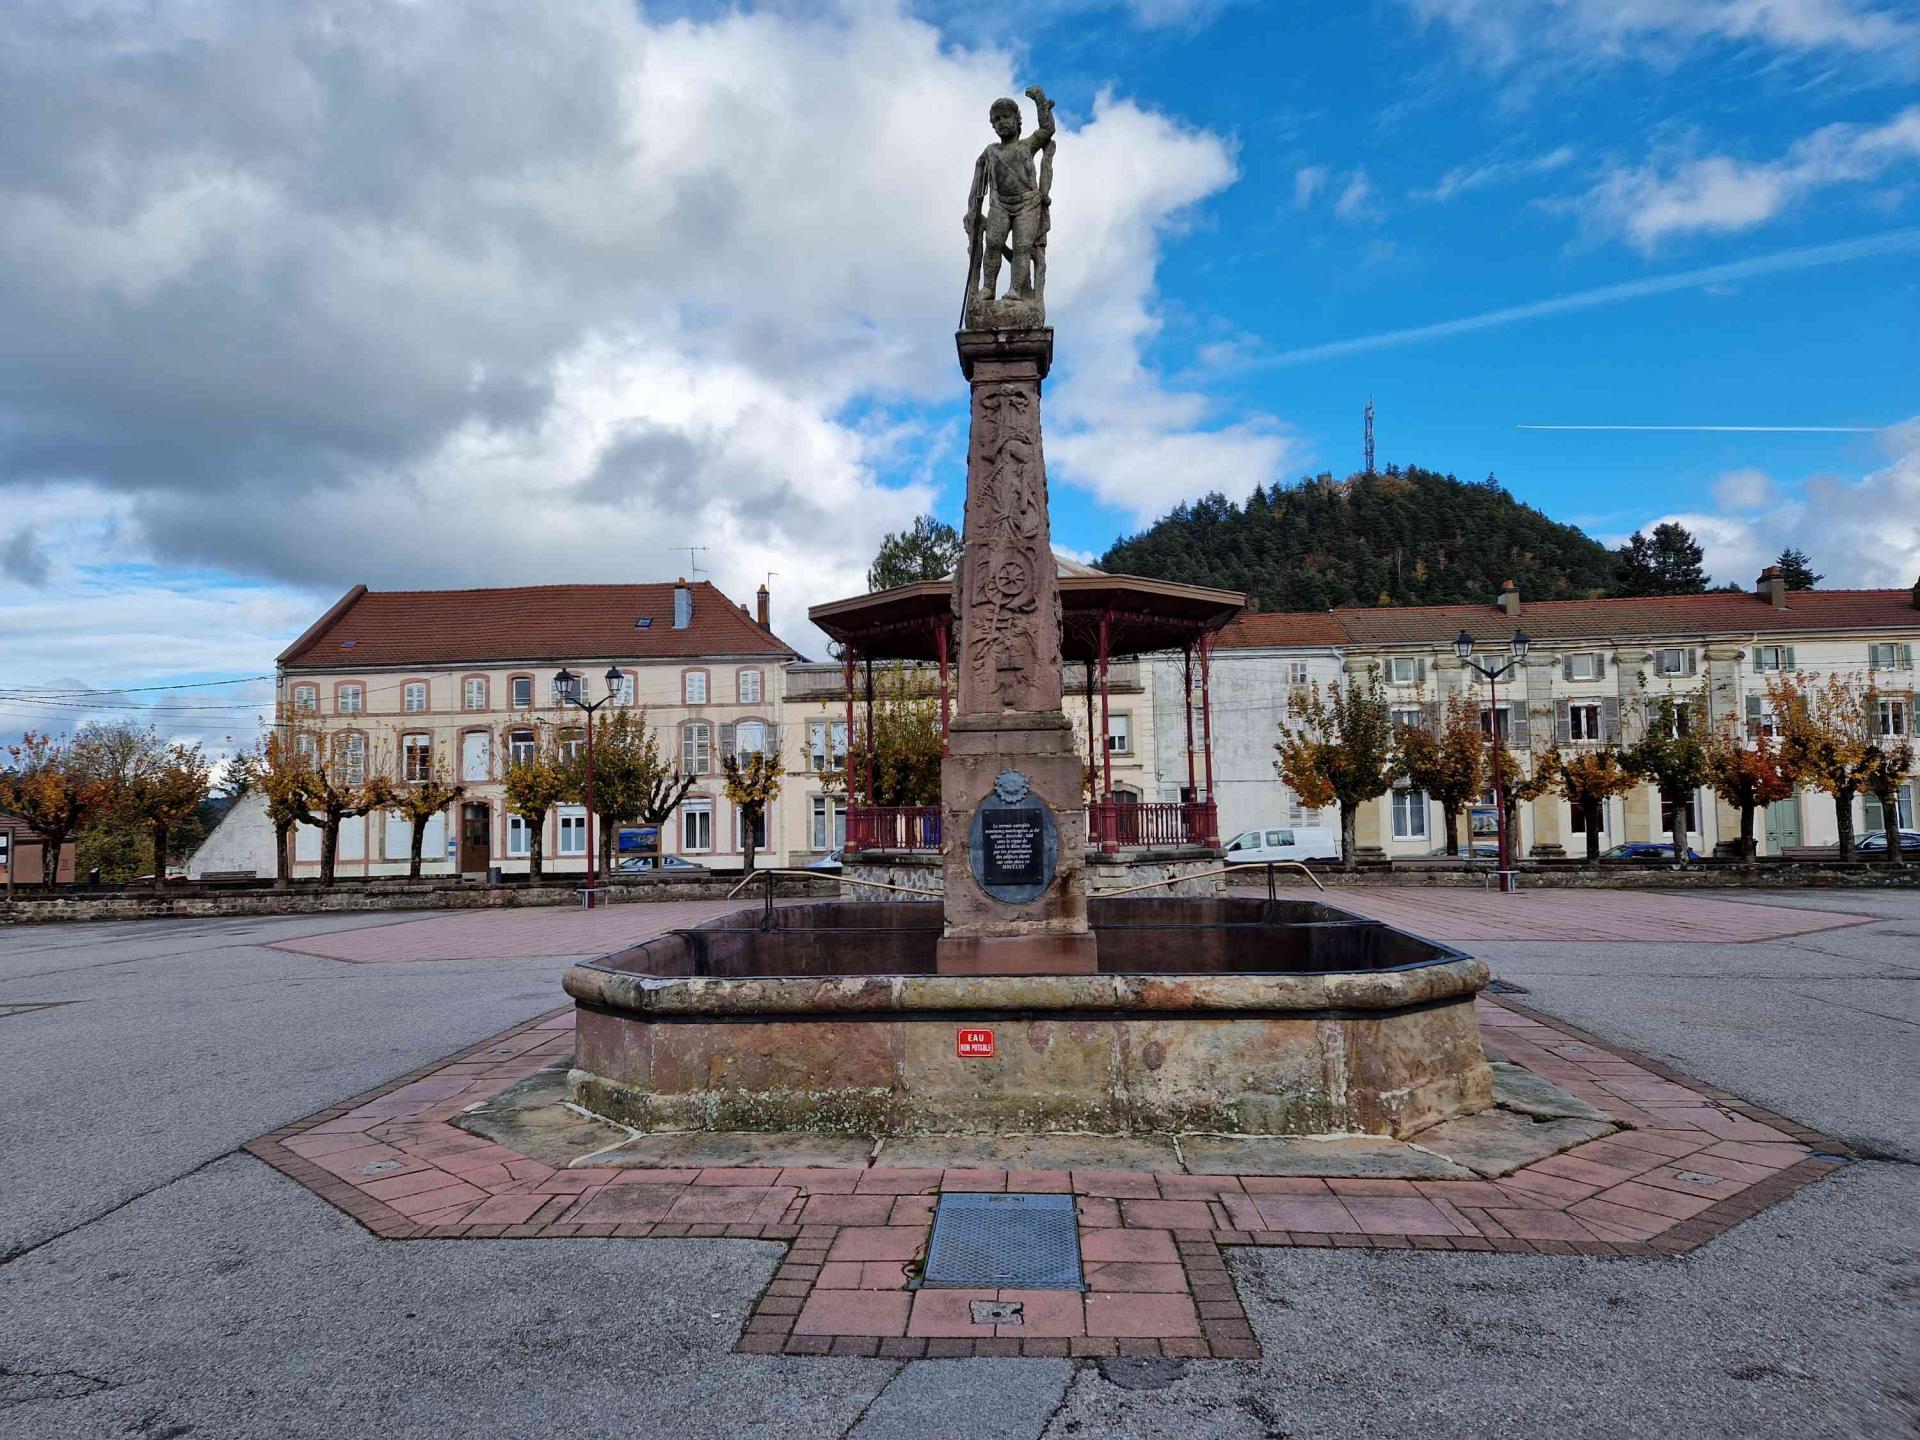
<point x="1290" y="842"/>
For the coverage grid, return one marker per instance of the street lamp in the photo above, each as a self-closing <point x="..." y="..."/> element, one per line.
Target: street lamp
<point x="568" y="690"/>
<point x="1493" y="674"/>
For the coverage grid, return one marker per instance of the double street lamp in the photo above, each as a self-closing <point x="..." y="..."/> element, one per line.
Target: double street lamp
<point x="1493" y="674"/>
<point x="568" y="689"/>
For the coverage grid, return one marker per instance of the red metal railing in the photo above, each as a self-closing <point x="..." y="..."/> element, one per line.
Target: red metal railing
<point x="1112" y="824"/>
<point x="893" y="827"/>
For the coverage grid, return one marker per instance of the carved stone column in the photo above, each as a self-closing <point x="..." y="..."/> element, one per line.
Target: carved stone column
<point x="1010" y="787"/>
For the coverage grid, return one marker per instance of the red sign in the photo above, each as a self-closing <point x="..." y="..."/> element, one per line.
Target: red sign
<point x="973" y="1044"/>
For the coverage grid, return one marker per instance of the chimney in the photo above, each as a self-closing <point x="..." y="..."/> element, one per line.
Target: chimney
<point x="682" y="604"/>
<point x="764" y="601"/>
<point x="1509" y="597"/>
<point x="1771" y="587"/>
<point x="1916" y="594"/>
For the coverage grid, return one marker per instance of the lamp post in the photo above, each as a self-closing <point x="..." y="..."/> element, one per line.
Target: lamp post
<point x="567" y="691"/>
<point x="1493" y="675"/>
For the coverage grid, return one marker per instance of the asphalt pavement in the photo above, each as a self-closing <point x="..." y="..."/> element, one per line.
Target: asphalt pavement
<point x="157" y="1282"/>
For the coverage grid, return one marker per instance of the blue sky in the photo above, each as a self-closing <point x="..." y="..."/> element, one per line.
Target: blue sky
<point x="314" y="295"/>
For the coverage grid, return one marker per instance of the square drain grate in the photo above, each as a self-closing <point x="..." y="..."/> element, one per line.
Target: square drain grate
<point x="1015" y="1242"/>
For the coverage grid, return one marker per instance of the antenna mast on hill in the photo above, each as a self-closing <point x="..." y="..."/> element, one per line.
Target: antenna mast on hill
<point x="1369" y="435"/>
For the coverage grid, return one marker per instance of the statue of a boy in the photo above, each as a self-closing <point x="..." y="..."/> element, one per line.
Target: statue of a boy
<point x="1016" y="222"/>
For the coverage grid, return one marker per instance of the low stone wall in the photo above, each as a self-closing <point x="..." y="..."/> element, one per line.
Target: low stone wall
<point x="919" y="872"/>
<point x="305" y="898"/>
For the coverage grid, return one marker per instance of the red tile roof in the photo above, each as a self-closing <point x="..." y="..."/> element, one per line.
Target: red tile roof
<point x="1807" y="612"/>
<point x="525" y="625"/>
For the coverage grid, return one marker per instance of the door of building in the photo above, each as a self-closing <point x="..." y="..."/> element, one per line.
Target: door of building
<point x="476" y="838"/>
<point x="1783" y="824"/>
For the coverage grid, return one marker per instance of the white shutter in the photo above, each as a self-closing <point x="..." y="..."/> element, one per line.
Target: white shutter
<point x="1562" y="722"/>
<point x="474" y="756"/>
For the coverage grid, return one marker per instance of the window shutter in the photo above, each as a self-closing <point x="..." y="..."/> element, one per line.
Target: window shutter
<point x="1692" y="663"/>
<point x="1519" y="732"/>
<point x="1562" y="722"/>
<point x="1788" y="664"/>
<point x="688" y="753"/>
<point x="726" y="739"/>
<point x="1906" y="657"/>
<point x="1754" y="716"/>
<point x="1419" y="672"/>
<point x="1566" y="667"/>
<point x="1610" y="719"/>
<point x="1430" y="716"/>
<point x="1599" y="666"/>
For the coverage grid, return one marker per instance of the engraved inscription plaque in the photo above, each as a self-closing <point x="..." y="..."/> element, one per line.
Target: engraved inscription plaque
<point x="1012" y="846"/>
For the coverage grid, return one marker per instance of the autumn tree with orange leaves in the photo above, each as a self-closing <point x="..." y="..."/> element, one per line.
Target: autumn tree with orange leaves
<point x="1830" y="738"/>
<point x="1748" y="773"/>
<point x="50" y="782"/>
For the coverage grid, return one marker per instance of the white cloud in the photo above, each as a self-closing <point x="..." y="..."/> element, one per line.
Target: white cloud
<point x="525" y="291"/>
<point x="1497" y="170"/>
<point x="1863" y="534"/>
<point x="1356" y="200"/>
<point x="1718" y="193"/>
<point x="1307" y="183"/>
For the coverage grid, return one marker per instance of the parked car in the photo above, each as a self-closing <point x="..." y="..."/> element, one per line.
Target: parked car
<point x="1289" y="842"/>
<point x="1645" y="850"/>
<point x="1481" y="851"/>
<point x="1876" y="840"/>
<point x="634" y="864"/>
<point x="829" y="861"/>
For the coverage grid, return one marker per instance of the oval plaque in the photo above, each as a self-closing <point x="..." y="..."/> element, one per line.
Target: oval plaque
<point x="1013" y="845"/>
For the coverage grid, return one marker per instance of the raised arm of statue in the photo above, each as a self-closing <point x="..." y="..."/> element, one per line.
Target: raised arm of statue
<point x="1043" y="136"/>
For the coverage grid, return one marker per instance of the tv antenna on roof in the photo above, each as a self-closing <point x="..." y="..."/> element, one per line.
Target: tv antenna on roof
<point x="694" y="567"/>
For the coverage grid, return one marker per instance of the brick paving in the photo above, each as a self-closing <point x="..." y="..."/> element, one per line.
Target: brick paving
<point x="1696" y="1161"/>
<point x="1584" y="916"/>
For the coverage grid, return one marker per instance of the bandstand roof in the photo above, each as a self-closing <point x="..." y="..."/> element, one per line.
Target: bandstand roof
<point x="1144" y="615"/>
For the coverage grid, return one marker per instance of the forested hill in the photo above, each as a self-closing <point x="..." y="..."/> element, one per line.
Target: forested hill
<point x="1406" y="537"/>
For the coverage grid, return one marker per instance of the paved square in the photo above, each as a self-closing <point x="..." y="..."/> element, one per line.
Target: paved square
<point x="266" y="1309"/>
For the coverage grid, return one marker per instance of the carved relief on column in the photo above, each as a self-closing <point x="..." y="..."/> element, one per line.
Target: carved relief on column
<point x="1008" y="598"/>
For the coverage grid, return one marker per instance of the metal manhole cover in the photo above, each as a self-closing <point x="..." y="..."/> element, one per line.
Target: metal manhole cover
<point x="1018" y="1242"/>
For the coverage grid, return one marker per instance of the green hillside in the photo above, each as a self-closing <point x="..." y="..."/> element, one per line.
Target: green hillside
<point x="1402" y="537"/>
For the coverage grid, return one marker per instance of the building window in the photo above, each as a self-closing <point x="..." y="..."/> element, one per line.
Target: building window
<point x="413" y="696"/>
<point x="573" y="830"/>
<point x="306" y="698"/>
<point x="1405" y="670"/>
<point x="623" y="690"/>
<point x="1876" y="815"/>
<point x="827" y="824"/>
<point x="826" y="744"/>
<point x="306" y="746"/>
<point x="1583" y="722"/>
<point x="521" y="691"/>
<point x="1296" y="672"/>
<point x="476" y="756"/>
<point x="1673" y="661"/>
<point x="1120" y="734"/>
<point x="1409" y="813"/>
<point x="520" y="747"/>
<point x="696" y="827"/>
<point x="750" y="737"/>
<point x="1890" y="657"/>
<point x="696" y="748"/>
<point x="573" y="744"/>
<point x="353" y="757"/>
<point x="1584" y="666"/>
<point x="693" y="687"/>
<point x="416" y="757"/>
<point x="740" y="830"/>
<point x="1682" y="719"/>
<point x="350" y="699"/>
<point x="1893" y="719"/>
<point x="1773" y="657"/>
<point x="473" y="692"/>
<point x="1580" y="818"/>
<point x="519" y="836"/>
<point x="748" y="691"/>
<point x="1496" y="721"/>
<point x="1405" y="717"/>
<point x="1690" y="810"/>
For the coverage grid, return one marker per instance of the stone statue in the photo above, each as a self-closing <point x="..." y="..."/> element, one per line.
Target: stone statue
<point x="1014" y="227"/>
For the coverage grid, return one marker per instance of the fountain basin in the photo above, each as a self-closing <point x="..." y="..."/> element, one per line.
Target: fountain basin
<point x="1223" y="1015"/>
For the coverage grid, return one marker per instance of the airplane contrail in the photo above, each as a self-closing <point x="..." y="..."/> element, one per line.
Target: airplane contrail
<point x="1731" y="429"/>
<point x="1893" y="242"/>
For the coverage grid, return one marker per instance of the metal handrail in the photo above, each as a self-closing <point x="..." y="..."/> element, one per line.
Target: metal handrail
<point x="1269" y="866"/>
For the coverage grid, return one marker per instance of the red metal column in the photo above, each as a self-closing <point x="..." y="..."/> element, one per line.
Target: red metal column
<point x="1206" y="726"/>
<point x="1106" y="745"/>
<point x="853" y="842"/>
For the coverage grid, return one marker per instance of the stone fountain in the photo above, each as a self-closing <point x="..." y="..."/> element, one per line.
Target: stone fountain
<point x="1014" y="1005"/>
